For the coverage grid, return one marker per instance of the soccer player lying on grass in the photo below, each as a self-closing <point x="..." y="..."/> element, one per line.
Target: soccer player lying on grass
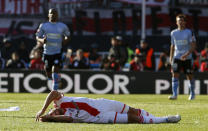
<point x="87" y="110"/>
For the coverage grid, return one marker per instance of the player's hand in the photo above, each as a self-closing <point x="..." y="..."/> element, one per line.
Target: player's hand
<point x="44" y="39"/>
<point x="43" y="118"/>
<point x="41" y="41"/>
<point x="183" y="57"/>
<point x="39" y="114"/>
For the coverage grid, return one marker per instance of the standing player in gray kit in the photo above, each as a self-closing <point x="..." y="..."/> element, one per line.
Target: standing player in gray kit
<point x="183" y="43"/>
<point x="51" y="35"/>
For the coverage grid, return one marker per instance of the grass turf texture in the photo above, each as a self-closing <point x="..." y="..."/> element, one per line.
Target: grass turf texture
<point x="194" y="113"/>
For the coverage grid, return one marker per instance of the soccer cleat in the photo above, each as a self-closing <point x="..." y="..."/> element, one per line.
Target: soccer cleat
<point x="172" y="97"/>
<point x="173" y="119"/>
<point x="191" y="97"/>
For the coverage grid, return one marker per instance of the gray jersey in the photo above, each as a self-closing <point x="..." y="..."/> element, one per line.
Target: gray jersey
<point x="54" y="33"/>
<point x="182" y="39"/>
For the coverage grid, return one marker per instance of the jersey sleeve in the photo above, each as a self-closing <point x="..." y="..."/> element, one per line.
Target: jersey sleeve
<point x="66" y="31"/>
<point x="40" y="31"/>
<point x="172" y="38"/>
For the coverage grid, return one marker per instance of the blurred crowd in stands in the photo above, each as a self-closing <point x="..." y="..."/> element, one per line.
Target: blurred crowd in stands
<point x="120" y="57"/>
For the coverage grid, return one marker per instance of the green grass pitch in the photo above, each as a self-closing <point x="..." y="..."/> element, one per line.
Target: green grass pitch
<point x="194" y="113"/>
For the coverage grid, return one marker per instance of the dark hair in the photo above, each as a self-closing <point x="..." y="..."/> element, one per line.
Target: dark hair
<point x="53" y="9"/>
<point x="143" y="41"/>
<point x="113" y="38"/>
<point x="182" y="16"/>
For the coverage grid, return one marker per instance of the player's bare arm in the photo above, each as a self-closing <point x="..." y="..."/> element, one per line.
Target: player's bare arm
<point x="193" y="47"/>
<point x="51" y="96"/>
<point x="57" y="118"/>
<point x="172" y="49"/>
<point x="41" y="41"/>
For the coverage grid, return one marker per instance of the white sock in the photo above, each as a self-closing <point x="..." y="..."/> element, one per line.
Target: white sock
<point x="149" y="118"/>
<point x="121" y="118"/>
<point x="145" y="113"/>
<point x="154" y="120"/>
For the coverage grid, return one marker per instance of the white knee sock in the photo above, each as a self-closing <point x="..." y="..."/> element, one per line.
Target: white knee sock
<point x="149" y="118"/>
<point x="145" y="113"/>
<point x="121" y="118"/>
<point x="154" y="120"/>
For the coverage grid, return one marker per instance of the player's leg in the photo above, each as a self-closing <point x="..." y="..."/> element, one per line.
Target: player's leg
<point x="139" y="112"/>
<point x="191" y="86"/>
<point x="132" y="118"/>
<point x="175" y="84"/>
<point x="47" y="66"/>
<point x="111" y="105"/>
<point x="189" y="74"/>
<point x="56" y="77"/>
<point x="115" y="117"/>
<point x="145" y="117"/>
<point x="124" y="112"/>
<point x="175" y="78"/>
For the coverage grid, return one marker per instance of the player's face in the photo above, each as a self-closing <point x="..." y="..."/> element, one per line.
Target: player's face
<point x="113" y="42"/>
<point x="143" y="45"/>
<point x="181" y="23"/>
<point x="53" y="15"/>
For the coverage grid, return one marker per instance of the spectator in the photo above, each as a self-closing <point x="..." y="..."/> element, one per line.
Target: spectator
<point x="114" y="50"/>
<point x="123" y="53"/>
<point x="68" y="59"/>
<point x="130" y="54"/>
<point x="80" y="62"/>
<point x="136" y="63"/>
<point x="15" y="62"/>
<point x="114" y="65"/>
<point x="204" y="66"/>
<point x="2" y="62"/>
<point x="109" y="63"/>
<point x="23" y="52"/>
<point x="94" y="57"/>
<point x="204" y="59"/>
<point x="148" y="53"/>
<point x="37" y="47"/>
<point x="204" y="53"/>
<point x="196" y="65"/>
<point x="36" y="62"/>
<point x="105" y="64"/>
<point x="7" y="49"/>
<point x="164" y="64"/>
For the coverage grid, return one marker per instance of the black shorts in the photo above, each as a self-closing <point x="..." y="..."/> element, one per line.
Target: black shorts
<point x="51" y="60"/>
<point x="179" y="65"/>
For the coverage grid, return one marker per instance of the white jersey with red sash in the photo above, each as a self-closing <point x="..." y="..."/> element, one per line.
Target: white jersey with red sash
<point x="89" y="110"/>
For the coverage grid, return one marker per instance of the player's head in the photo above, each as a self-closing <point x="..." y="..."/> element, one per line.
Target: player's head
<point x="114" y="41"/>
<point x="52" y="15"/>
<point x="56" y="111"/>
<point x="181" y="21"/>
<point x="15" y="56"/>
<point x="143" y="44"/>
